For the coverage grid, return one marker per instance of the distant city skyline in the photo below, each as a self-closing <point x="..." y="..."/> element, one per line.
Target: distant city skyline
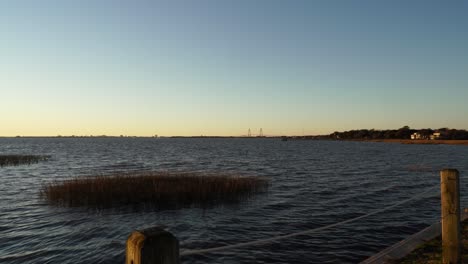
<point x="218" y="68"/>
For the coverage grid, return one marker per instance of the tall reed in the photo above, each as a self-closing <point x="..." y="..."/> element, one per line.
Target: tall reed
<point x="157" y="189"/>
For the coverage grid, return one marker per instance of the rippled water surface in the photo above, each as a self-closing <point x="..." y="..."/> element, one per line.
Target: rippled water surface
<point x="313" y="184"/>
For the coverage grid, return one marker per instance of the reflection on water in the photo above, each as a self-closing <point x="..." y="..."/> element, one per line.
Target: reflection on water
<point x="313" y="183"/>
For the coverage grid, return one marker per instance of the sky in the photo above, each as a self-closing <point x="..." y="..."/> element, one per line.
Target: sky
<point x="215" y="67"/>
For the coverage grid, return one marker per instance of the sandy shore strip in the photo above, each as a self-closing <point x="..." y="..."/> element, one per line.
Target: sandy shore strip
<point x="419" y="141"/>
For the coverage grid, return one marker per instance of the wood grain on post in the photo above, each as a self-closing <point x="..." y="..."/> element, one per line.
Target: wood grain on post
<point x="152" y="245"/>
<point x="450" y="201"/>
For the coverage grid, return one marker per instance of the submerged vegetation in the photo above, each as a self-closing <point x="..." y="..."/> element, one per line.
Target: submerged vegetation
<point x="16" y="160"/>
<point x="161" y="190"/>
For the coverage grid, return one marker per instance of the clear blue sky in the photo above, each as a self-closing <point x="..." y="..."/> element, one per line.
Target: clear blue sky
<point x="222" y="67"/>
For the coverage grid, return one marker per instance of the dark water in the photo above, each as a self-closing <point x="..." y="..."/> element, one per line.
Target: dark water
<point x="313" y="184"/>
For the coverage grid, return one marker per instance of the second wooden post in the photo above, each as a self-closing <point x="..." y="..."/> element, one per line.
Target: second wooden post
<point x="152" y="246"/>
<point x="450" y="201"/>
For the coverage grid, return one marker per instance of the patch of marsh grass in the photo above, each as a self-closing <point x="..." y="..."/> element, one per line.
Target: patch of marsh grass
<point x="161" y="190"/>
<point x="16" y="160"/>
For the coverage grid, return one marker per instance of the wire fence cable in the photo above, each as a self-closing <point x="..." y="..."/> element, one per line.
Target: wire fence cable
<point x="305" y="232"/>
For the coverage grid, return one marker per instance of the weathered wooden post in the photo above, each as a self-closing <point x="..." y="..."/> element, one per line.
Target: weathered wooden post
<point x="153" y="245"/>
<point x="450" y="201"/>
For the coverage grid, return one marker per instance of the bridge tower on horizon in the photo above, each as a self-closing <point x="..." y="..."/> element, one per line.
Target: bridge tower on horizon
<point x="249" y="134"/>
<point x="261" y="133"/>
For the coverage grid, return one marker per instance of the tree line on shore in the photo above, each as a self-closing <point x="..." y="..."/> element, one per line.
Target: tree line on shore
<point x="402" y="133"/>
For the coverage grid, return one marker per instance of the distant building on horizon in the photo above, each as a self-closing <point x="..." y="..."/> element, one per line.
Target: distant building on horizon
<point x="434" y="136"/>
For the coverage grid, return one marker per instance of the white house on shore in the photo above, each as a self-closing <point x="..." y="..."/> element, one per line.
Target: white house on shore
<point x="417" y="135"/>
<point x="436" y="135"/>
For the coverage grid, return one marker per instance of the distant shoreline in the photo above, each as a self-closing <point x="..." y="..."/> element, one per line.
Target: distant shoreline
<point x="418" y="141"/>
<point x="159" y="137"/>
<point x="320" y="138"/>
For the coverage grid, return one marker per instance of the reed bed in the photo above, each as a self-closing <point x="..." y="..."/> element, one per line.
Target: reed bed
<point x="16" y="160"/>
<point x="159" y="190"/>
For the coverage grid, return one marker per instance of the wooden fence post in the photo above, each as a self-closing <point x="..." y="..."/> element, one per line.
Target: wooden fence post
<point x="450" y="201"/>
<point x="152" y="245"/>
